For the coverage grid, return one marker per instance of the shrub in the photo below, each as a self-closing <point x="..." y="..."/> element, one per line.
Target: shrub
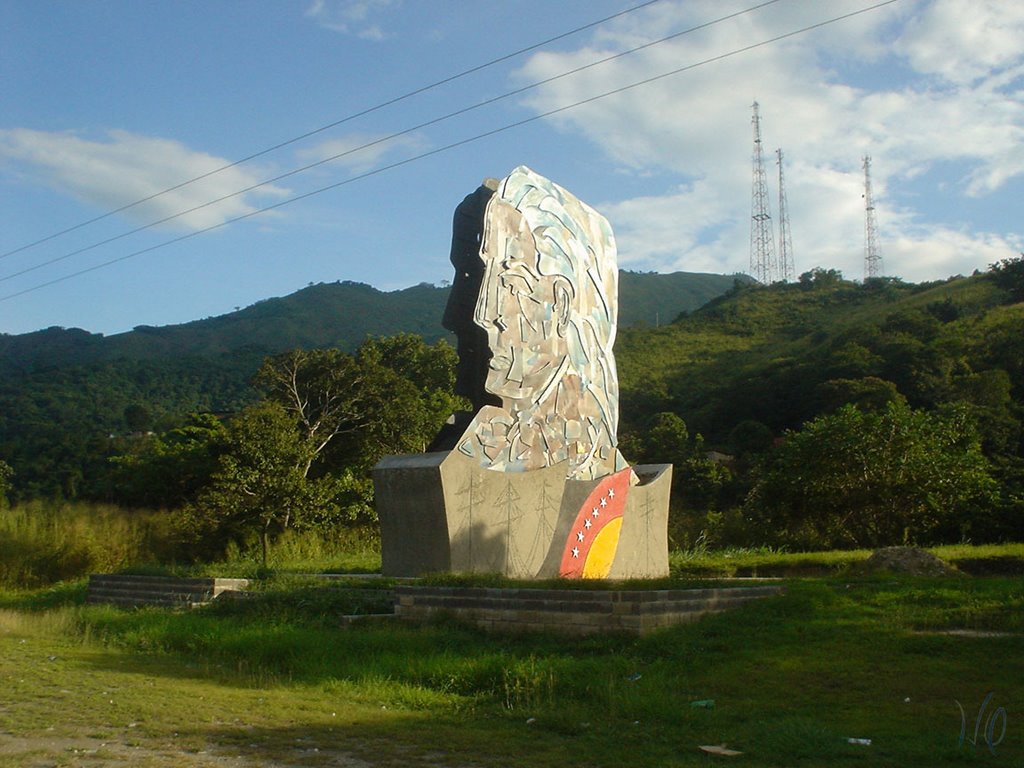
<point x="872" y="479"/>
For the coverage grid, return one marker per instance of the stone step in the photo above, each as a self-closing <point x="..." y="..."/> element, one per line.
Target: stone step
<point x="130" y="589"/>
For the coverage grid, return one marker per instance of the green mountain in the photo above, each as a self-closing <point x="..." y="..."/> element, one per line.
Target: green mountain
<point x="341" y="315"/>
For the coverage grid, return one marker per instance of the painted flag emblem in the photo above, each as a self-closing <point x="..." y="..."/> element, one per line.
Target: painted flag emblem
<point x="594" y="536"/>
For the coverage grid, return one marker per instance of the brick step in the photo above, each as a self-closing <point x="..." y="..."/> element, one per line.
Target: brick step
<point x="135" y="600"/>
<point x="128" y="589"/>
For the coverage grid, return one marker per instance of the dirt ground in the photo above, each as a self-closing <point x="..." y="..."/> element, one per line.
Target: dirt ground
<point x="84" y="751"/>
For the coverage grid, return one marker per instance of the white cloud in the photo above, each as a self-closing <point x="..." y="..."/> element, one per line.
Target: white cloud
<point x="351" y="17"/>
<point x="127" y="167"/>
<point x="964" y="40"/>
<point x="926" y="252"/>
<point x="359" y="152"/>
<point x="676" y="230"/>
<point x="827" y="97"/>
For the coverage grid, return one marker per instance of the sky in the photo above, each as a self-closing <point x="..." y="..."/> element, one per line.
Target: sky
<point x="110" y="102"/>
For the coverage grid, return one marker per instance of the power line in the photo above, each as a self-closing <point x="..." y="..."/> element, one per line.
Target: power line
<point x="335" y="124"/>
<point x="384" y="140"/>
<point x="454" y="145"/>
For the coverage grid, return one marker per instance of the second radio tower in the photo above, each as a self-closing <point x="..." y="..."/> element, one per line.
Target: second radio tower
<point x="762" y="249"/>
<point x="787" y="268"/>
<point x="872" y="256"/>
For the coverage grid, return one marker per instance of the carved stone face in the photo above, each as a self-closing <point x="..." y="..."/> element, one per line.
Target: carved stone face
<point x="522" y="312"/>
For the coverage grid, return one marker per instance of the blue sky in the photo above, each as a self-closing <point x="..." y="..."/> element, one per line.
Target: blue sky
<point x="107" y="102"/>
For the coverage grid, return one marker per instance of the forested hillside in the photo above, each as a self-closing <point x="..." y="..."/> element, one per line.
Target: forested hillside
<point x="782" y="355"/>
<point x="69" y="398"/>
<point x="827" y="397"/>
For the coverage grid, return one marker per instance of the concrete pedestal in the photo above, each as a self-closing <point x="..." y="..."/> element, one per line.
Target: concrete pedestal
<point x="441" y="512"/>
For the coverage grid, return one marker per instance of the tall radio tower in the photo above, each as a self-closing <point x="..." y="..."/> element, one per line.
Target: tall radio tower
<point x="872" y="257"/>
<point x="762" y="250"/>
<point x="787" y="268"/>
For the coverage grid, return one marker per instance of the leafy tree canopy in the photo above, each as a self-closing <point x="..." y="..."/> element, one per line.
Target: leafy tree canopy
<point x="856" y="478"/>
<point x="169" y="469"/>
<point x="260" y="483"/>
<point x="1008" y="274"/>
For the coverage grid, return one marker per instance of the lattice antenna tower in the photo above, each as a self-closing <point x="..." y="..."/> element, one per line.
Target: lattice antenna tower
<point x="787" y="268"/>
<point x="762" y="249"/>
<point x="872" y="256"/>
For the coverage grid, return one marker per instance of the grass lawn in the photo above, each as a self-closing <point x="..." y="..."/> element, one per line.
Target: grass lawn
<point x="277" y="681"/>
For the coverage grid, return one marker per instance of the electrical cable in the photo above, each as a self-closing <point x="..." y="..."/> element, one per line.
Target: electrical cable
<point x="335" y="124"/>
<point x="453" y="145"/>
<point x="385" y="139"/>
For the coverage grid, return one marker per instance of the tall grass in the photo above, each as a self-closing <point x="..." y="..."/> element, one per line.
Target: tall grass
<point x="46" y="542"/>
<point x="339" y="550"/>
<point x="42" y="543"/>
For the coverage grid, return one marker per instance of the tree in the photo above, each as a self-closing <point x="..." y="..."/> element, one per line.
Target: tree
<point x="392" y="396"/>
<point x="696" y="480"/>
<point x="261" y="482"/>
<point x="283" y="465"/>
<point x="324" y="391"/>
<point x="6" y="473"/>
<point x="820" y="278"/>
<point x="168" y="469"/>
<point x="137" y="417"/>
<point x="412" y="384"/>
<point x="1008" y="274"/>
<point x="869" y="393"/>
<point x="430" y="367"/>
<point x="750" y="437"/>
<point x="855" y="478"/>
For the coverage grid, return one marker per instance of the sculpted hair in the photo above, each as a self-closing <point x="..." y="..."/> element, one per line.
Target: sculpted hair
<point x="576" y="248"/>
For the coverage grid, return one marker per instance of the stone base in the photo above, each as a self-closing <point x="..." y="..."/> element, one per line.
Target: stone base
<point x="573" y="612"/>
<point x="440" y="512"/>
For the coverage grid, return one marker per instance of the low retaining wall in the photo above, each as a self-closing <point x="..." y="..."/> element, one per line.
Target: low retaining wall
<point x="125" y="589"/>
<point x="573" y="611"/>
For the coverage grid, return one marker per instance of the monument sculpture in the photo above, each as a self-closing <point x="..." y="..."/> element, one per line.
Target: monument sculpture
<point x="530" y="483"/>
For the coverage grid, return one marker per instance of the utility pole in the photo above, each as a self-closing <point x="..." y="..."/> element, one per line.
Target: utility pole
<point x="872" y="256"/>
<point x="762" y="248"/>
<point x="787" y="267"/>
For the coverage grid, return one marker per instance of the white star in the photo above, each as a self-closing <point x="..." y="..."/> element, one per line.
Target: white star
<point x="595" y="513"/>
<point x="604" y="502"/>
<point x="587" y="523"/>
<point x="579" y="536"/>
<point x="611" y="493"/>
<point x="575" y="552"/>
